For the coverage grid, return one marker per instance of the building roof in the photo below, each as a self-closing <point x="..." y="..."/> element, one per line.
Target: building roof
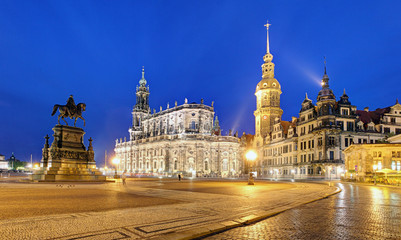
<point x="372" y="116"/>
<point x="286" y="125"/>
<point x="395" y="139"/>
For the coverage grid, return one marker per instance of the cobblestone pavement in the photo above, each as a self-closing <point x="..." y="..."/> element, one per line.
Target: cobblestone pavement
<point x="193" y="206"/>
<point x="358" y="212"/>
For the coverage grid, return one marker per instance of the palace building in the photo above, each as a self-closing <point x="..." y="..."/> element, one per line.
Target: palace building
<point x="183" y="139"/>
<point x="311" y="145"/>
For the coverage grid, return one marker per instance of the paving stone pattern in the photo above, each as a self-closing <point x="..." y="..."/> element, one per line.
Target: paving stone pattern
<point x="358" y="212"/>
<point x="196" y="210"/>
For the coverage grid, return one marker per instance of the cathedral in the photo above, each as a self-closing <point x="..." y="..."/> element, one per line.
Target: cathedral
<point x="182" y="139"/>
<point x="311" y="145"/>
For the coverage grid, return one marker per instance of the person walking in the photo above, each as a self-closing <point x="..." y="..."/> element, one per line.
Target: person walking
<point x="124" y="178"/>
<point x="179" y="177"/>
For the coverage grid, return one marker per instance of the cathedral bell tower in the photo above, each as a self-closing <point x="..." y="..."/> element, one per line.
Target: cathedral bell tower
<point x="141" y="108"/>
<point x="267" y="94"/>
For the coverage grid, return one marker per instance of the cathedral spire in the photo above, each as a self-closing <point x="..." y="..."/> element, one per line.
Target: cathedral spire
<point x="142" y="82"/>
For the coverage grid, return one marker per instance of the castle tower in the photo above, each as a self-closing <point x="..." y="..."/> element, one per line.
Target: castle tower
<point x="141" y="108"/>
<point x="267" y="95"/>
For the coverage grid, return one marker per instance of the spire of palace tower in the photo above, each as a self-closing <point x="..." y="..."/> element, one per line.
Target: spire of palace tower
<point x="325" y="93"/>
<point x="325" y="79"/>
<point x="268" y="66"/>
<point x="267" y="38"/>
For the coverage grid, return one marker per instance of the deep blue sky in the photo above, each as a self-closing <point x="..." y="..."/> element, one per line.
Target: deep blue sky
<point x="195" y="49"/>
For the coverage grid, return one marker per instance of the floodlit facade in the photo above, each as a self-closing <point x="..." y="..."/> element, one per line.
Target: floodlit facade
<point x="182" y="139"/>
<point x="365" y="162"/>
<point x="311" y="145"/>
<point x="3" y="162"/>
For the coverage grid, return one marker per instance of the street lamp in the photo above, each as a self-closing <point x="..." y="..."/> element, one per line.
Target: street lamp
<point x="251" y="156"/>
<point x="116" y="161"/>
<point x="293" y="174"/>
<point x="374" y="171"/>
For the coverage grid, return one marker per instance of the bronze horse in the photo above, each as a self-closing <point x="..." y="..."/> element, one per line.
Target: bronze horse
<point x="66" y="112"/>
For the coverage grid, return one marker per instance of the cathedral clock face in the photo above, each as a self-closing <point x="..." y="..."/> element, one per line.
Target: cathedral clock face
<point x="265" y="117"/>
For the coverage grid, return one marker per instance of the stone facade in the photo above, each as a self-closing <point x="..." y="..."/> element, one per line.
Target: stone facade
<point x="311" y="145"/>
<point x="3" y="163"/>
<point x="360" y="160"/>
<point x="181" y="139"/>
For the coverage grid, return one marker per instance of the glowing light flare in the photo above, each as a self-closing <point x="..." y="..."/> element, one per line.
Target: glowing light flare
<point x="251" y="155"/>
<point x="116" y="161"/>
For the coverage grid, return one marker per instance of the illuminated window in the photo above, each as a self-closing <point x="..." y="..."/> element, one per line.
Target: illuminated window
<point x="225" y="165"/>
<point x="206" y="165"/>
<point x="393" y="165"/>
<point x="398" y="166"/>
<point x="379" y="165"/>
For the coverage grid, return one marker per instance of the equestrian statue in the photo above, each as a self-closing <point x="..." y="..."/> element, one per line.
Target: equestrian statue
<point x="70" y="110"/>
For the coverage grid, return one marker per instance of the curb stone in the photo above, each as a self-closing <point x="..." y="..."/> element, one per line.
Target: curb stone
<point x="213" y="229"/>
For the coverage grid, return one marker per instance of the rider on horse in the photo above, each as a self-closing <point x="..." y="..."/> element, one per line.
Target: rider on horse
<point x="72" y="108"/>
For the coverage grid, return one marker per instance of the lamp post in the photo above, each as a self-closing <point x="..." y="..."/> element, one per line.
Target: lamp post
<point x="293" y="174"/>
<point x="250" y="156"/>
<point x="374" y="171"/>
<point x="116" y="161"/>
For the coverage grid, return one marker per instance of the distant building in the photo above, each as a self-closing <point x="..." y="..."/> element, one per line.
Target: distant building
<point x="3" y="162"/>
<point x="14" y="163"/>
<point x="180" y="139"/>
<point x="364" y="162"/>
<point x="311" y="145"/>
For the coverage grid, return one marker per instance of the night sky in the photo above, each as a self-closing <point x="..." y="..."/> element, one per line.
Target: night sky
<point x="190" y="49"/>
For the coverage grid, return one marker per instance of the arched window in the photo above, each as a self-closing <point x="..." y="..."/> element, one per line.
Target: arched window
<point x="225" y="165"/>
<point x="175" y="165"/>
<point x="191" y="164"/>
<point x="155" y="165"/>
<point x="193" y="125"/>
<point x="206" y="165"/>
<point x="147" y="165"/>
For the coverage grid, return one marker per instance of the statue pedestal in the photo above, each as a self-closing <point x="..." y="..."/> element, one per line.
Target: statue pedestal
<point x="67" y="159"/>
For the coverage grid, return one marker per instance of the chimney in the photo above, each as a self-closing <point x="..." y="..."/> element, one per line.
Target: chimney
<point x="366" y="109"/>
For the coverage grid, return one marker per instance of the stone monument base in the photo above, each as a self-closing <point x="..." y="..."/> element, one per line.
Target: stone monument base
<point x="67" y="160"/>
